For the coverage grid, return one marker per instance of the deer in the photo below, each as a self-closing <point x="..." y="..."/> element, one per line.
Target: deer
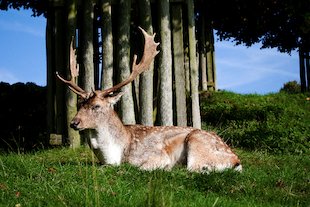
<point x="146" y="147"/>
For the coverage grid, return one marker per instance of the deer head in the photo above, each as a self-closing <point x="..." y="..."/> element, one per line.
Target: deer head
<point x="98" y="105"/>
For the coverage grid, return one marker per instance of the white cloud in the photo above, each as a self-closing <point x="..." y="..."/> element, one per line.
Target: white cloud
<point x="22" y="22"/>
<point x="15" y="26"/>
<point x="239" y="66"/>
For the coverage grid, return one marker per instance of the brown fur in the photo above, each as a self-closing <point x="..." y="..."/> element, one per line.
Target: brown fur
<point x="151" y="147"/>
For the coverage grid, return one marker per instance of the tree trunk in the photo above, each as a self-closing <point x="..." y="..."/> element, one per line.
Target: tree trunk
<point x="50" y="23"/>
<point x="187" y="71"/>
<point x="203" y="70"/>
<point x="307" y="54"/>
<point x="60" y="65"/>
<point x="87" y="49"/>
<point x="193" y="66"/>
<point x="202" y="51"/>
<point x="210" y="65"/>
<point x="107" y="45"/>
<point x="303" y="82"/>
<point x="96" y="52"/>
<point x="126" y="103"/>
<point x="178" y="59"/>
<point x="146" y="78"/>
<point x="213" y="60"/>
<point x="87" y="54"/>
<point x="71" y="97"/>
<point x="165" y="66"/>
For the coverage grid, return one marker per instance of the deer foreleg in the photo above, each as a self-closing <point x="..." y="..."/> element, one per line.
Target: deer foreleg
<point x="94" y="143"/>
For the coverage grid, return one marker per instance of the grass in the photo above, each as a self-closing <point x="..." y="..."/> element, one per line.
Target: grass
<point x="66" y="177"/>
<point x="271" y="133"/>
<point x="278" y="123"/>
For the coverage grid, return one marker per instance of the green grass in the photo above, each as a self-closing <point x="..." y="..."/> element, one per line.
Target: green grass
<point x="278" y="123"/>
<point x="271" y="133"/>
<point x="66" y="177"/>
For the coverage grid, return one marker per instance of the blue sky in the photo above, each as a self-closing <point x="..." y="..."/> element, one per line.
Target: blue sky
<point x="239" y="69"/>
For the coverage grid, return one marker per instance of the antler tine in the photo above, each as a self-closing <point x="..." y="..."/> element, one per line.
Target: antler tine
<point x="73" y="87"/>
<point x="150" y="51"/>
<point x="74" y="69"/>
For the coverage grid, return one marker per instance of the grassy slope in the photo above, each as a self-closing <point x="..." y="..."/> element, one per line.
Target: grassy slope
<point x="278" y="124"/>
<point x="63" y="177"/>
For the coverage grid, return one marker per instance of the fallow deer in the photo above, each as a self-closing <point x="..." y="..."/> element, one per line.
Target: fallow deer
<point x="148" y="147"/>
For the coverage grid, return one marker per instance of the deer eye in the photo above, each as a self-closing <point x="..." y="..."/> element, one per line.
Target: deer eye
<point x="95" y="107"/>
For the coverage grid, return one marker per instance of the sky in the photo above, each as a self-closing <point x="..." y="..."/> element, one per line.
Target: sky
<point x="239" y="69"/>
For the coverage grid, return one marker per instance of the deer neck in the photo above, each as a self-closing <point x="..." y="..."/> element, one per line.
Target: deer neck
<point x="112" y="125"/>
<point x="113" y="139"/>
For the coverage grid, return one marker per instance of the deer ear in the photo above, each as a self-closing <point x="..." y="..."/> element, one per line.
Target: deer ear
<point x="114" y="99"/>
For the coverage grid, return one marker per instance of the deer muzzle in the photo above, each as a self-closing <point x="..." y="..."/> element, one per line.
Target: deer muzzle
<point x="75" y="123"/>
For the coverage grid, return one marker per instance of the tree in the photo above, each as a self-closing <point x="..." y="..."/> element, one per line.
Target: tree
<point x="107" y="45"/>
<point x="178" y="64"/>
<point x="193" y="65"/>
<point x="205" y="48"/>
<point x="70" y="97"/>
<point x="86" y="52"/>
<point x="281" y="24"/>
<point x="59" y="65"/>
<point x="38" y="7"/>
<point x="146" y="79"/>
<point x="123" y="62"/>
<point x="165" y="66"/>
<point x="91" y="24"/>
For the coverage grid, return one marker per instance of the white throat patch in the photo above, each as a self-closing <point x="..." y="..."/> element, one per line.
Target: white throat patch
<point x="108" y="146"/>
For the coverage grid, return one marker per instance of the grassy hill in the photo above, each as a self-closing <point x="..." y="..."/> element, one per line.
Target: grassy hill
<point x="271" y="134"/>
<point x="277" y="123"/>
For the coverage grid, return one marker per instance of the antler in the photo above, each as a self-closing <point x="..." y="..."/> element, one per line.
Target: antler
<point x="74" y="68"/>
<point x="150" y="51"/>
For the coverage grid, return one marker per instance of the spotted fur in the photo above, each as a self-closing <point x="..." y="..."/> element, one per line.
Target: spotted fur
<point x="159" y="147"/>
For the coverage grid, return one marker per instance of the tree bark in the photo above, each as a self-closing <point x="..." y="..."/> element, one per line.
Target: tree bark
<point x="87" y="49"/>
<point x="307" y="57"/>
<point x="193" y="66"/>
<point x="178" y="60"/>
<point x="50" y="23"/>
<point x="96" y="50"/>
<point x="303" y="82"/>
<point x="107" y="45"/>
<point x="213" y="60"/>
<point x="187" y="71"/>
<point x="60" y="65"/>
<point x="126" y="103"/>
<point x="210" y="63"/>
<point x="146" y="78"/>
<point x="202" y="51"/>
<point x="71" y="97"/>
<point x="87" y="54"/>
<point x="165" y="66"/>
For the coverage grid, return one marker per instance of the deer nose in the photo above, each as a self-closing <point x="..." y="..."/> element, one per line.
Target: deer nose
<point x="74" y="123"/>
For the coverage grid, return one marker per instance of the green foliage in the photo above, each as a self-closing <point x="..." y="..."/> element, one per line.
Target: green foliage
<point x="38" y="7"/>
<point x="276" y="24"/>
<point x="291" y="87"/>
<point x="278" y="123"/>
<point x="64" y="177"/>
